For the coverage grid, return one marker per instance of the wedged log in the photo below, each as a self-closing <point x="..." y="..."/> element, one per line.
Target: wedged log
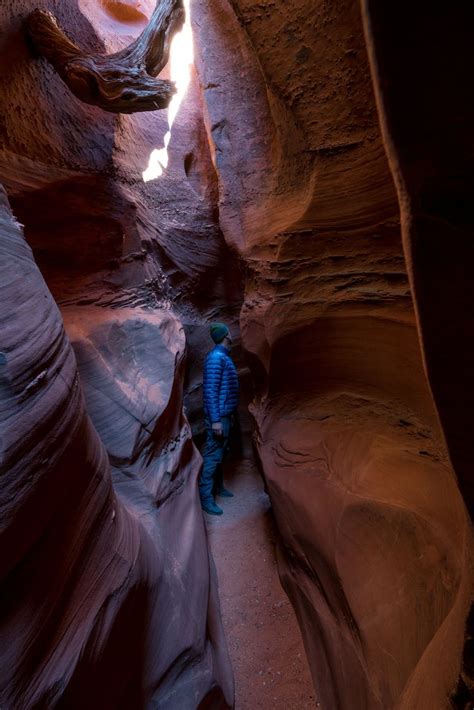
<point x="123" y="82"/>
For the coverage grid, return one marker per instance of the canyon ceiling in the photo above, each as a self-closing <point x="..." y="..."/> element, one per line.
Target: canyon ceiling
<point x="314" y="191"/>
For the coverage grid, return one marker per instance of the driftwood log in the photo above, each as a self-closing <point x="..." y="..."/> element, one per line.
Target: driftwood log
<point x="123" y="82"/>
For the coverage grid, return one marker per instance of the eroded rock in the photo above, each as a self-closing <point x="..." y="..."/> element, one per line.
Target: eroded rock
<point x="286" y="155"/>
<point x="95" y="574"/>
<point x="375" y="536"/>
<point x="106" y="557"/>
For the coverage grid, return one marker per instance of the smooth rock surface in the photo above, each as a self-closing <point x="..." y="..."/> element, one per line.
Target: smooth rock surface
<point x="124" y="611"/>
<point x="95" y="573"/>
<point x="306" y="130"/>
<point x="376" y="540"/>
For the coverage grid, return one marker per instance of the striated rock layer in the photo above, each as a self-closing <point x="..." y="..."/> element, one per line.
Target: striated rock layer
<point x="429" y="159"/>
<point x="375" y="536"/>
<point x="110" y="596"/>
<point x="430" y="156"/>
<point x="277" y="179"/>
<point x="97" y="567"/>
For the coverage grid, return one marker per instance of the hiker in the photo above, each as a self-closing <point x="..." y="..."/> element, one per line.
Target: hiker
<point x="221" y="393"/>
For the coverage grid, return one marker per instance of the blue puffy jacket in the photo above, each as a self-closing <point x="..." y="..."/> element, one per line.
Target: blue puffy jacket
<point x="221" y="384"/>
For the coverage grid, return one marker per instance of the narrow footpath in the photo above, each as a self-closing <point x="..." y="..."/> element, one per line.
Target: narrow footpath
<point x="265" y="644"/>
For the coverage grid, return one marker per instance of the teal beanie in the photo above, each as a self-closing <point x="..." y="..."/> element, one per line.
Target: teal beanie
<point x="218" y="332"/>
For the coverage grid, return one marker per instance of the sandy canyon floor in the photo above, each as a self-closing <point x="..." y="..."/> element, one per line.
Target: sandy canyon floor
<point x="264" y="640"/>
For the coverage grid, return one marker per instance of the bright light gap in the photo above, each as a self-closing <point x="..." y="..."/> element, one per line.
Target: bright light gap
<point x="181" y="59"/>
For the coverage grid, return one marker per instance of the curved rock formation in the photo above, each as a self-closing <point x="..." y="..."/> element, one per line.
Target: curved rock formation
<point x="110" y="592"/>
<point x="95" y="575"/>
<point x="434" y="178"/>
<point x="277" y="143"/>
<point x="375" y="538"/>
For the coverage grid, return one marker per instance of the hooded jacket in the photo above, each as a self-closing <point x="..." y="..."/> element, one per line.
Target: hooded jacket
<point x="220" y="384"/>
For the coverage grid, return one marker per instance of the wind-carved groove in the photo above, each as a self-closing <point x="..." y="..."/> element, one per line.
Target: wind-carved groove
<point x="123" y="82"/>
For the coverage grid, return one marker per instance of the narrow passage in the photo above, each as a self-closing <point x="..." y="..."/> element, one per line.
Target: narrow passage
<point x="265" y="644"/>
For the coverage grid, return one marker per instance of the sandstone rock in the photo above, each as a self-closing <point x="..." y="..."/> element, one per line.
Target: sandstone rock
<point x="434" y="178"/>
<point x="375" y="541"/>
<point x="277" y="142"/>
<point x="96" y="574"/>
<point x="112" y="534"/>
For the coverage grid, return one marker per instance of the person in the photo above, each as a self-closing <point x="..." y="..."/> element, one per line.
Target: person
<point x="221" y="394"/>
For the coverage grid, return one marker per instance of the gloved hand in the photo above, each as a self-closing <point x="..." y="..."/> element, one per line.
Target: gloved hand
<point x="217" y="429"/>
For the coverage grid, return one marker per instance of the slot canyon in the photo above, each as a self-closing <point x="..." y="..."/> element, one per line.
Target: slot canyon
<point x="304" y="172"/>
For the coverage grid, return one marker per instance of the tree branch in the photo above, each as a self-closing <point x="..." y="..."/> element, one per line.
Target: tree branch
<point x="123" y="82"/>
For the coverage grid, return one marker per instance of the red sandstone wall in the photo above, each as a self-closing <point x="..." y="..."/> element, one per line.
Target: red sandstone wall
<point x="375" y="538"/>
<point x="110" y="595"/>
<point x="96" y="568"/>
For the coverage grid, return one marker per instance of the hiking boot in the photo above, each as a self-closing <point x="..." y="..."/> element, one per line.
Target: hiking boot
<point x="211" y="508"/>
<point x="224" y="493"/>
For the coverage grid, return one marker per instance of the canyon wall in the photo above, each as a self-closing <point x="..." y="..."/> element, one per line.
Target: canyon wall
<point x="95" y="567"/>
<point x="305" y="132"/>
<point x="375" y="537"/>
<point x="110" y="596"/>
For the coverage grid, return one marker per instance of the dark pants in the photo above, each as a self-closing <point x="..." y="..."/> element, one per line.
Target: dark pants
<point x="215" y="449"/>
